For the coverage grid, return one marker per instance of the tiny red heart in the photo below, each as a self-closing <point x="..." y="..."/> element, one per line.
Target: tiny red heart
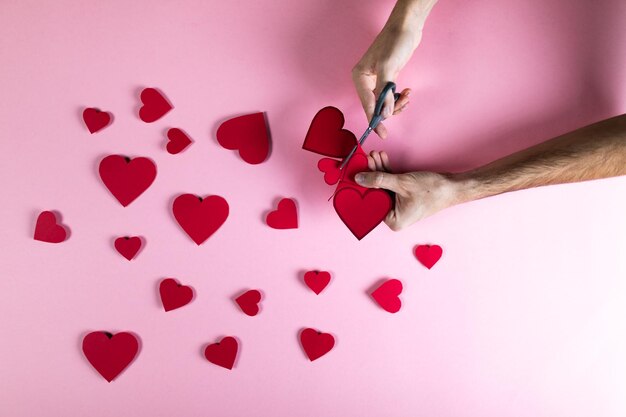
<point x="95" y="119"/>
<point x="361" y="212"/>
<point x="386" y="295"/>
<point x="317" y="280"/>
<point x="177" y="141"/>
<point x="155" y="105"/>
<point x="249" y="302"/>
<point x="223" y="353"/>
<point x="316" y="344"/>
<point x="174" y="295"/>
<point x="428" y="255"/>
<point x="326" y="135"/>
<point x="110" y="354"/>
<point x="126" y="178"/>
<point x="128" y="246"/>
<point x="200" y="217"/>
<point x="285" y="216"/>
<point x="249" y="134"/>
<point x="330" y="168"/>
<point x="47" y="229"/>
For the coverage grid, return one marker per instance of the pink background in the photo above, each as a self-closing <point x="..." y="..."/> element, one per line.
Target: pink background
<point x="523" y="316"/>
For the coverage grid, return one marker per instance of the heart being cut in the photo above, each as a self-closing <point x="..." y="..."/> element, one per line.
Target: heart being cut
<point x="326" y="135"/>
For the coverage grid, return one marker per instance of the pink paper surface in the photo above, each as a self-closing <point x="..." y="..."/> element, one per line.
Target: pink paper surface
<point x="522" y="317"/>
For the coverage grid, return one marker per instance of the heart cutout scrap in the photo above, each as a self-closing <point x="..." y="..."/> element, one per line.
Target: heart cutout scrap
<point x="200" y="217"/>
<point x="361" y="212"/>
<point x="108" y="353"/>
<point x="285" y="216"/>
<point x="387" y="295"/>
<point x="177" y="141"/>
<point x="223" y="353"/>
<point x="48" y="229"/>
<point x="317" y="280"/>
<point x="248" y="134"/>
<point x="428" y="255"/>
<point x="128" y="246"/>
<point x="326" y="135"/>
<point x="315" y="343"/>
<point x="155" y="105"/>
<point x="127" y="178"/>
<point x="174" y="295"/>
<point x="248" y="302"/>
<point x="95" y="119"/>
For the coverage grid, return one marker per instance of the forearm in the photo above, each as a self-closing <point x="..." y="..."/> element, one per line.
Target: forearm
<point x="410" y="14"/>
<point x="592" y="152"/>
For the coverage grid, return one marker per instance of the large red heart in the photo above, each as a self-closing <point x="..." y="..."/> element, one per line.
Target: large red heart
<point x="48" y="230"/>
<point x="326" y="135"/>
<point x="316" y="344"/>
<point x="155" y="105"/>
<point x="248" y="134"/>
<point x="177" y="141"/>
<point x="128" y="246"/>
<point x="317" y="280"/>
<point x="200" y="217"/>
<point x="110" y="354"/>
<point x="362" y="212"/>
<point x="222" y="353"/>
<point x="386" y="295"/>
<point x="285" y="216"/>
<point x="95" y="119"/>
<point x="174" y="295"/>
<point x="126" y="179"/>
<point x="428" y="255"/>
<point x="249" y="302"/>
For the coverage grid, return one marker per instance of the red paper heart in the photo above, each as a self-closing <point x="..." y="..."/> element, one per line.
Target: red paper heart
<point x="316" y="344"/>
<point x="428" y="255"/>
<point x="177" y="141"/>
<point x="95" y="119"/>
<point x="249" y="134"/>
<point x="386" y="295"/>
<point x="317" y="280"/>
<point x="200" y="217"/>
<point x="358" y="163"/>
<point x="326" y="135"/>
<point x="361" y="212"/>
<point x="48" y="230"/>
<point x="330" y="168"/>
<point x="285" y="216"/>
<point x="110" y="354"/>
<point x="126" y="179"/>
<point x="222" y="353"/>
<point x="128" y="246"/>
<point x="155" y="105"/>
<point x="174" y="295"/>
<point x="249" y="302"/>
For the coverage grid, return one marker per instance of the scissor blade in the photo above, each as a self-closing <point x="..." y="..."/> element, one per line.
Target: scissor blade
<point x="361" y="140"/>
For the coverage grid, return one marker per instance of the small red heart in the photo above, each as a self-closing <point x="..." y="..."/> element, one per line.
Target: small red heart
<point x="110" y="354"/>
<point x="155" y="105"/>
<point x="428" y="255"/>
<point x="358" y="163"/>
<point x="128" y="246"/>
<point x="386" y="295"/>
<point x="316" y="344"/>
<point x="249" y="302"/>
<point x="222" y="353"/>
<point x="48" y="230"/>
<point x="177" y="141"/>
<point x="326" y="135"/>
<point x="174" y="295"/>
<point x="317" y="280"/>
<point x="330" y="168"/>
<point x="285" y="216"/>
<point x="361" y="212"/>
<point x="127" y="178"/>
<point x="200" y="217"/>
<point x="95" y="119"/>
<point x="249" y="134"/>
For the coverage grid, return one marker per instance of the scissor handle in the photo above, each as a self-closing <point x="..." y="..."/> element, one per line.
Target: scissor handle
<point x="378" y="109"/>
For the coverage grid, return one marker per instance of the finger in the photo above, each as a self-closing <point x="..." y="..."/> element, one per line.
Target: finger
<point x="381" y="131"/>
<point x="371" y="164"/>
<point x="365" y="82"/>
<point x="401" y="109"/>
<point x="378" y="163"/>
<point x="378" y="179"/>
<point x="385" y="161"/>
<point x="402" y="100"/>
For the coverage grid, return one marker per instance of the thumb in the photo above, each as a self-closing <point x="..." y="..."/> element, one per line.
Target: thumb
<point x="378" y="179"/>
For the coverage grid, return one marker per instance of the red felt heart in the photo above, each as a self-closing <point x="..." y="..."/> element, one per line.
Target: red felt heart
<point x="177" y="141"/>
<point x="48" y="230"/>
<point x="317" y="280"/>
<point x="386" y="295"/>
<point x="249" y="302"/>
<point x="285" y="216"/>
<point x="222" y="353"/>
<point x="358" y="163"/>
<point x="110" y="354"/>
<point x="428" y="255"/>
<point x="316" y="344"/>
<point x="200" y="217"/>
<point x="326" y="135"/>
<point x="128" y="246"/>
<point x="174" y="295"/>
<point x="95" y="119"/>
<point x="330" y="168"/>
<point x="155" y="105"/>
<point x="361" y="212"/>
<point x="249" y="134"/>
<point x="126" y="179"/>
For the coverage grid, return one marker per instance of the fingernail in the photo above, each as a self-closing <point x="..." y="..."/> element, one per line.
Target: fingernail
<point x="359" y="178"/>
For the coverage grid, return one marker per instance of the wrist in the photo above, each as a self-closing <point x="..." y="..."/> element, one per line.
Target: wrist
<point x="407" y="16"/>
<point x="465" y="188"/>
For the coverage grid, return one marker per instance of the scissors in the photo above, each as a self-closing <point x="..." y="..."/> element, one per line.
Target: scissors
<point x="376" y="119"/>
